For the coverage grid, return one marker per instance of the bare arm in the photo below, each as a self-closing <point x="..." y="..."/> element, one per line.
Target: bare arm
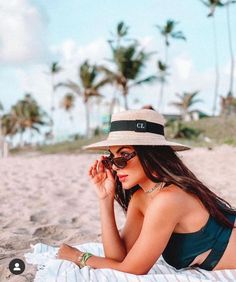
<point x="159" y="223"/>
<point x="114" y="247"/>
<point x="117" y="245"/>
<point x="104" y="184"/>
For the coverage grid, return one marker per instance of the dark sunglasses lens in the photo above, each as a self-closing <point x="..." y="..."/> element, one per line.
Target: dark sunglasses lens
<point x="107" y="163"/>
<point x="120" y="162"/>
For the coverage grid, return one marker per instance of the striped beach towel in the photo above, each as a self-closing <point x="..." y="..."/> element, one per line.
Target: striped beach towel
<point x="50" y="269"/>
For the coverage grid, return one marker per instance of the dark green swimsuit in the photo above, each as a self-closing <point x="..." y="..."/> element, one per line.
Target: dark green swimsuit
<point x="183" y="248"/>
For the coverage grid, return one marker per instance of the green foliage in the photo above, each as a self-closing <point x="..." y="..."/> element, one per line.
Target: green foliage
<point x="122" y="29"/>
<point x="26" y="113"/>
<point x="213" y="131"/>
<point x="180" y="130"/>
<point x="187" y="100"/>
<point x="168" y="31"/>
<point x="129" y="60"/>
<point x="87" y="74"/>
<point x="97" y="131"/>
<point x="55" y="68"/>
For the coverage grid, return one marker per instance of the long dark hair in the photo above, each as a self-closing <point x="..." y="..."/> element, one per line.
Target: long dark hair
<point x="164" y="162"/>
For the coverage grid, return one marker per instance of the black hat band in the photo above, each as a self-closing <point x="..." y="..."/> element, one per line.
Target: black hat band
<point x="137" y="126"/>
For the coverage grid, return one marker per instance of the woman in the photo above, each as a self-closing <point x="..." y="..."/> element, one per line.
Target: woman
<point x="169" y="211"/>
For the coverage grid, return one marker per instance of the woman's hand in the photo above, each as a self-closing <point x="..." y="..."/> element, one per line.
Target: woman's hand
<point x="67" y="252"/>
<point x="102" y="179"/>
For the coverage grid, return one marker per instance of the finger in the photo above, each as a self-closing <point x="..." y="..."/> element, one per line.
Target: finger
<point x="109" y="174"/>
<point x="90" y="171"/>
<point x="100" y="166"/>
<point x="94" y="169"/>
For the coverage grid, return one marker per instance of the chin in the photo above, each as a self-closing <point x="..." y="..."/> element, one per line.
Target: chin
<point x="127" y="186"/>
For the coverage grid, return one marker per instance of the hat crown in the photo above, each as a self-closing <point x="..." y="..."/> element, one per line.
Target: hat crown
<point x="144" y="114"/>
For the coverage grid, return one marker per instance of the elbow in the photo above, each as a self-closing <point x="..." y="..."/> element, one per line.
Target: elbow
<point x="119" y="257"/>
<point x="132" y="270"/>
<point x="140" y="272"/>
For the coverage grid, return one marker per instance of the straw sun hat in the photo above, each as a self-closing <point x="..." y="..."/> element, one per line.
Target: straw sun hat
<point x="136" y="127"/>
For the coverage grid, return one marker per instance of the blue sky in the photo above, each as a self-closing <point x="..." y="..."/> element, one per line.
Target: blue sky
<point x="34" y="33"/>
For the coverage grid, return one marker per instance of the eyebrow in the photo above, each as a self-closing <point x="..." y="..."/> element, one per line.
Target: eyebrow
<point x="120" y="149"/>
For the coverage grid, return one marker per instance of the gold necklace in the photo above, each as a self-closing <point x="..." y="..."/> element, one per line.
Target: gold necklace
<point x="158" y="185"/>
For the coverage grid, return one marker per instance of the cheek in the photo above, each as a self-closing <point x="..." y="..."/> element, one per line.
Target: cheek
<point x="136" y="175"/>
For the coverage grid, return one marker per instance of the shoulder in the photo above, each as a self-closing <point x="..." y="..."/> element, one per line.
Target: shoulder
<point x="171" y="201"/>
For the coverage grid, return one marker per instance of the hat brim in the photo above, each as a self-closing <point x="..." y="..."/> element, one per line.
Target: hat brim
<point x="105" y="144"/>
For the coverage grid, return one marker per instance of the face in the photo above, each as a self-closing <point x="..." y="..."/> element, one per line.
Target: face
<point x="133" y="173"/>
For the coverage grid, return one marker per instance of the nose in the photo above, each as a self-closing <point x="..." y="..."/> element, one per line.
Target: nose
<point x="114" y="167"/>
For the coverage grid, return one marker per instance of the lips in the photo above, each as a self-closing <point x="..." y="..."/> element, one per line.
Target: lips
<point x="122" y="177"/>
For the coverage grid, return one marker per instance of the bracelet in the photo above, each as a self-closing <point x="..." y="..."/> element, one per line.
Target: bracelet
<point x="83" y="257"/>
<point x="78" y="259"/>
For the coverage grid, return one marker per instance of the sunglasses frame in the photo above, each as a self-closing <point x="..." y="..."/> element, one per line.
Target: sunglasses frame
<point x="109" y="161"/>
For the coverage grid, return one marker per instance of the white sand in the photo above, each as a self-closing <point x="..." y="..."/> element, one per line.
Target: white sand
<point x="49" y="199"/>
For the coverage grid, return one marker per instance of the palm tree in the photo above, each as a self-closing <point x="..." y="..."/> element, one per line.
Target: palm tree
<point x="25" y="114"/>
<point x="161" y="76"/>
<point x="187" y="100"/>
<point x="68" y="103"/>
<point x="120" y="34"/>
<point x="168" y="32"/>
<point x="227" y="4"/>
<point x="212" y="5"/>
<point x="87" y="87"/>
<point x="1" y="109"/>
<point x="228" y="105"/>
<point x="129" y="60"/>
<point x="1" y="137"/>
<point x="9" y="126"/>
<point x="55" y="68"/>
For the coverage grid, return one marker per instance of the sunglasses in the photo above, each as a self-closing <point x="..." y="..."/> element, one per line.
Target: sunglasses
<point x="120" y="162"/>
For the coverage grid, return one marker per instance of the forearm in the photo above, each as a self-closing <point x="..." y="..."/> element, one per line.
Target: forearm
<point x="114" y="248"/>
<point x="101" y="262"/>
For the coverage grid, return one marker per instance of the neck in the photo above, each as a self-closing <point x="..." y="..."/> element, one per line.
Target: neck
<point x="149" y="185"/>
<point x="157" y="186"/>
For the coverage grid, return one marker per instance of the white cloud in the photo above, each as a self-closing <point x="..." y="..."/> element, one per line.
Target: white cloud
<point x="183" y="66"/>
<point x="71" y="53"/>
<point x="22" y="30"/>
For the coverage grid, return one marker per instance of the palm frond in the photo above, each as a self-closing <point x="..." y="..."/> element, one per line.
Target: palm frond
<point x="102" y="82"/>
<point x="71" y="85"/>
<point x="178" y="35"/>
<point x="149" y="79"/>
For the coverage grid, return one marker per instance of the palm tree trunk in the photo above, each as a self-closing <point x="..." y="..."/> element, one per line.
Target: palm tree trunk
<point x="21" y="139"/>
<point x="126" y="103"/>
<point x="87" y="118"/>
<point x="217" y="73"/>
<point x="230" y="93"/>
<point x="161" y="94"/>
<point x="52" y="104"/>
<point x="31" y="136"/>
<point x="125" y="94"/>
<point x="112" y="104"/>
<point x="1" y="138"/>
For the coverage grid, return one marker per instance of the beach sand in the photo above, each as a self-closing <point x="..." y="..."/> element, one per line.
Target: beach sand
<point x="48" y="198"/>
